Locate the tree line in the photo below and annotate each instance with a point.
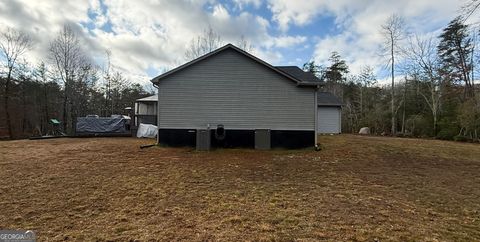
(66, 85)
(432, 90)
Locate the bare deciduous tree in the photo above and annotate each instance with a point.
(208, 41)
(107, 80)
(13, 44)
(114, 84)
(425, 67)
(118, 85)
(244, 44)
(41, 75)
(68, 59)
(365, 80)
(393, 32)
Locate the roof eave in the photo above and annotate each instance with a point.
(311, 84)
(330, 105)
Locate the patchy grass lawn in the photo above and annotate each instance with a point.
(356, 189)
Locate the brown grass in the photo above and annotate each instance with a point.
(356, 189)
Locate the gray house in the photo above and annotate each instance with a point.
(232, 98)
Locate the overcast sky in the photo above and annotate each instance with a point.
(147, 37)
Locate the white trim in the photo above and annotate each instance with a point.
(158, 114)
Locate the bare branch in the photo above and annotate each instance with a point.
(244, 44)
(13, 44)
(208, 41)
(66, 54)
(393, 31)
(468, 9)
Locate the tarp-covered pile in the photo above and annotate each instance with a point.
(116, 124)
(147, 131)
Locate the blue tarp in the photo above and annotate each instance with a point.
(101, 125)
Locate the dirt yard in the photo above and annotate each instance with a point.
(355, 189)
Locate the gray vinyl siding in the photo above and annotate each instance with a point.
(232, 89)
(329, 120)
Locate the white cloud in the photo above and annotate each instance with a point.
(36, 18)
(141, 35)
(220, 12)
(288, 41)
(298, 12)
(153, 35)
(274, 57)
(240, 4)
(359, 23)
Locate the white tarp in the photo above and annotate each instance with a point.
(364, 130)
(147, 131)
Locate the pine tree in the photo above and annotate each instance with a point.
(338, 70)
(455, 51)
(312, 67)
(336, 74)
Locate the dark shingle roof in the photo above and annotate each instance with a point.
(303, 76)
(328, 99)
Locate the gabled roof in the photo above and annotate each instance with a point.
(295, 78)
(328, 99)
(152, 98)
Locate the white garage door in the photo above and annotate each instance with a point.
(329, 120)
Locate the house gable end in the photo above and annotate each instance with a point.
(212, 54)
(231, 89)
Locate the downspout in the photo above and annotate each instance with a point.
(158, 113)
(317, 145)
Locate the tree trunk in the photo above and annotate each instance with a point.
(65, 103)
(393, 90)
(468, 92)
(361, 102)
(73, 118)
(472, 82)
(404, 104)
(45, 95)
(24, 110)
(413, 128)
(107, 96)
(111, 107)
(6, 104)
(403, 120)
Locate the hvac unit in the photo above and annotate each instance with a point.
(203, 139)
(262, 139)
